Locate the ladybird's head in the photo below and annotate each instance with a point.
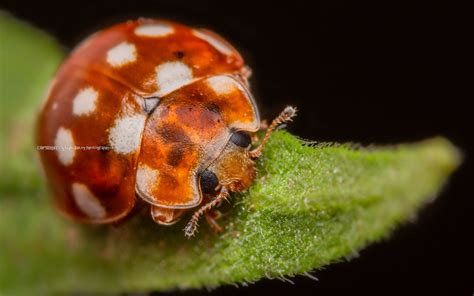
(234, 168)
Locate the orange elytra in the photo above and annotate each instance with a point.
(150, 110)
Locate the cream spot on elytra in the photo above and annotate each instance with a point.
(64, 146)
(212, 40)
(84, 102)
(172, 75)
(121, 54)
(147, 178)
(150, 104)
(87, 202)
(125, 135)
(221, 85)
(154, 30)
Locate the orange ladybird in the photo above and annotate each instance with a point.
(153, 110)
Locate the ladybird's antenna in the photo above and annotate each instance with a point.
(286, 115)
(191, 227)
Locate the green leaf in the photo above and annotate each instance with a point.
(309, 206)
(28, 59)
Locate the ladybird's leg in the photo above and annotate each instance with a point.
(286, 115)
(211, 217)
(165, 216)
(190, 228)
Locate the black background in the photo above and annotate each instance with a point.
(358, 71)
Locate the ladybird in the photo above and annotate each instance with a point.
(155, 111)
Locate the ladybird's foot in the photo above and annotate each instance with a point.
(190, 229)
(211, 218)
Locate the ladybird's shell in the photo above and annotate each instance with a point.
(142, 107)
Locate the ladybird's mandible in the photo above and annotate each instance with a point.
(150, 110)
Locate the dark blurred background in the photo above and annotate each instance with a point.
(368, 72)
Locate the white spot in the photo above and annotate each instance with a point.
(85, 101)
(64, 145)
(150, 104)
(87, 202)
(172, 75)
(146, 178)
(122, 54)
(125, 135)
(212, 40)
(221, 85)
(154, 30)
(146, 104)
(54, 106)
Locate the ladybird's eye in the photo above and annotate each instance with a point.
(241, 139)
(208, 181)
